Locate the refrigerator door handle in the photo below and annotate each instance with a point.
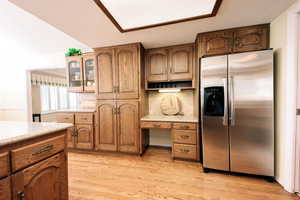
(232, 107)
(225, 117)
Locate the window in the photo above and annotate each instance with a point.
(57, 98)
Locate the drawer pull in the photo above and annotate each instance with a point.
(156, 125)
(184, 127)
(66, 118)
(185, 136)
(21, 196)
(43, 149)
(184, 150)
(84, 118)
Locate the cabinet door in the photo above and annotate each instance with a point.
(89, 66)
(84, 137)
(106, 137)
(251, 38)
(216, 43)
(105, 74)
(46, 180)
(128, 126)
(127, 72)
(5, 189)
(75, 73)
(181, 63)
(71, 137)
(157, 65)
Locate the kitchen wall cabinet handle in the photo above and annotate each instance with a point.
(43, 149)
(114, 110)
(21, 196)
(184, 127)
(185, 136)
(184, 150)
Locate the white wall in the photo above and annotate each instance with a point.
(26, 43)
(284, 39)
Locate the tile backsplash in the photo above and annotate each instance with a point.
(186, 98)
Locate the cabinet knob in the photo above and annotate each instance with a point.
(21, 196)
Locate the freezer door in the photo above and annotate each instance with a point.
(214, 112)
(251, 113)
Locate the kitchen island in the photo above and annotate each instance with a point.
(33, 161)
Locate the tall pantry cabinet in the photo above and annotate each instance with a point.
(120, 97)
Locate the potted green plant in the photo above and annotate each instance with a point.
(74, 52)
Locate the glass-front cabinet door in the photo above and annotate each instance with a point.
(75, 74)
(89, 65)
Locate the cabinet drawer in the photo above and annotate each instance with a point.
(185, 151)
(185, 126)
(65, 118)
(184, 136)
(4, 163)
(162, 125)
(5, 189)
(84, 118)
(33, 153)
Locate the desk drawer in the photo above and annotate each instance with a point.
(4, 164)
(84, 118)
(65, 118)
(185, 151)
(185, 126)
(162, 125)
(27, 155)
(184, 136)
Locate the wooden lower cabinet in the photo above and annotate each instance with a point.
(46, 180)
(70, 137)
(5, 189)
(117, 126)
(85, 137)
(128, 126)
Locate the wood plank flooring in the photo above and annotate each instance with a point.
(155, 176)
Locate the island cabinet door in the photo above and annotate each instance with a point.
(181, 63)
(128, 126)
(84, 137)
(5, 189)
(106, 137)
(127, 72)
(47, 180)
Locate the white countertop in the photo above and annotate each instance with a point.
(11, 131)
(70, 110)
(164, 118)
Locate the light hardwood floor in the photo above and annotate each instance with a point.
(155, 176)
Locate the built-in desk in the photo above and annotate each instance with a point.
(184, 132)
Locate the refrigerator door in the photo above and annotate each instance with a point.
(214, 112)
(251, 113)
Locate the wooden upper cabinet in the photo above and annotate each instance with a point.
(181, 63)
(105, 74)
(128, 126)
(106, 135)
(157, 65)
(45, 180)
(127, 72)
(237, 40)
(5, 189)
(75, 73)
(216, 43)
(251, 39)
(85, 137)
(89, 67)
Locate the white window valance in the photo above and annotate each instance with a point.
(41, 79)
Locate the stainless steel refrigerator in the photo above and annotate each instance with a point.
(237, 113)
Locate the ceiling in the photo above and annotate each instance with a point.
(84, 21)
